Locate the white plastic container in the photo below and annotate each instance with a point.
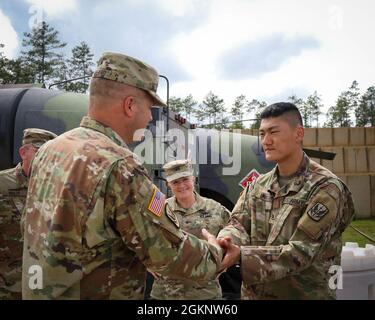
(358, 266)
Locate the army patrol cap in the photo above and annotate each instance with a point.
(128, 70)
(37, 137)
(178, 169)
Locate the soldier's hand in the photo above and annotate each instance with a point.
(232, 253)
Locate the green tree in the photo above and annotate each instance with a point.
(188, 106)
(41, 54)
(64, 75)
(200, 114)
(365, 111)
(258, 107)
(314, 103)
(238, 109)
(14, 71)
(303, 108)
(339, 115)
(5, 75)
(214, 106)
(175, 104)
(79, 66)
(21, 72)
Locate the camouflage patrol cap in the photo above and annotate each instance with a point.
(178, 169)
(130, 71)
(37, 137)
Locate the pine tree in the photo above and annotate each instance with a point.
(201, 114)
(21, 71)
(238, 110)
(188, 106)
(79, 66)
(314, 103)
(258, 107)
(215, 108)
(64, 75)
(41, 53)
(365, 112)
(303, 108)
(175, 104)
(14, 71)
(5, 75)
(339, 115)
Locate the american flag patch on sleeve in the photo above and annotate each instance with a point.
(157, 202)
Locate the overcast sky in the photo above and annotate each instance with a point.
(267, 49)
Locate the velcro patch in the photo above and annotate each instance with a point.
(157, 202)
(318, 211)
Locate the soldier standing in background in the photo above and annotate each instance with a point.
(193, 213)
(95, 221)
(287, 226)
(13, 190)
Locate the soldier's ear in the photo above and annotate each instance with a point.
(300, 132)
(22, 151)
(128, 106)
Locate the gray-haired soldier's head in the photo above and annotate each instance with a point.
(286, 110)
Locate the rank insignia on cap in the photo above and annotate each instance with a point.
(157, 202)
(318, 211)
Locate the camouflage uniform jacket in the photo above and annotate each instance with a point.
(91, 224)
(291, 236)
(13, 189)
(205, 213)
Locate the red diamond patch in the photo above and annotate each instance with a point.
(249, 178)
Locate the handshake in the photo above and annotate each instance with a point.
(232, 252)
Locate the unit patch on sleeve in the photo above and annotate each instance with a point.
(318, 211)
(157, 202)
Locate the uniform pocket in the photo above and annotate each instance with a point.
(286, 222)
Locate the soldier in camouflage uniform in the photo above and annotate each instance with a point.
(288, 224)
(94, 219)
(13, 189)
(193, 213)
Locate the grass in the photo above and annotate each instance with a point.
(367, 226)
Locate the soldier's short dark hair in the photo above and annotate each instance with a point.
(287, 109)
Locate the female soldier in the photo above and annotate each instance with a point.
(193, 213)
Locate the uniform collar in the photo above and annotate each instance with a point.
(198, 205)
(22, 179)
(90, 123)
(295, 184)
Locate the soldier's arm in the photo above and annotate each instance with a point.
(314, 230)
(225, 214)
(238, 227)
(153, 235)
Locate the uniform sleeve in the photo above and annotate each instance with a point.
(153, 235)
(319, 222)
(239, 221)
(225, 214)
